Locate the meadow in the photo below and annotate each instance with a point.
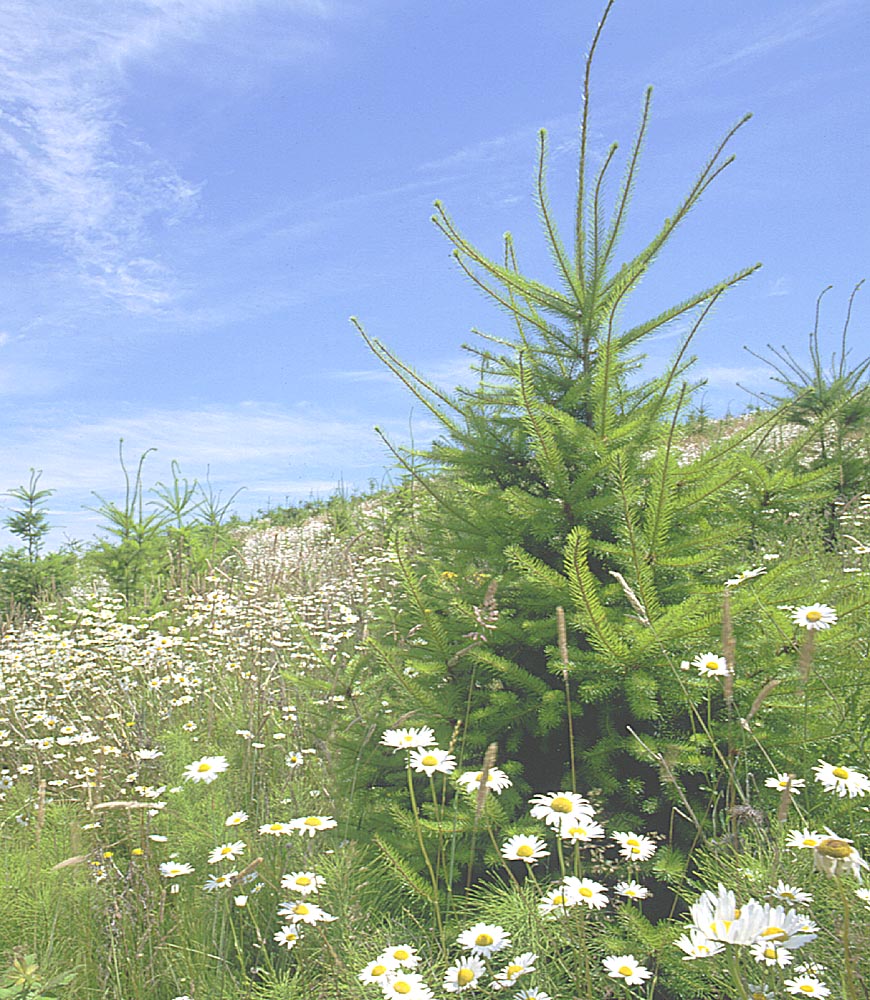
(575, 710)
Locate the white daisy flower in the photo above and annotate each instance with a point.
(771, 955)
(814, 617)
(276, 829)
(586, 891)
(632, 890)
(305, 883)
(532, 994)
(375, 971)
(304, 913)
(786, 927)
(408, 739)
(784, 780)
(312, 824)
(236, 818)
(696, 944)
(522, 965)
(226, 852)
(836, 856)
(806, 986)
(220, 881)
(428, 761)
(634, 846)
(627, 968)
(172, 869)
(464, 974)
(496, 780)
(405, 986)
(864, 896)
(288, 936)
(557, 902)
(484, 939)
(746, 574)
(842, 780)
(206, 769)
(555, 808)
(522, 848)
(804, 838)
(401, 956)
(711, 665)
(789, 893)
(580, 831)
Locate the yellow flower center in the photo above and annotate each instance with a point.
(814, 616)
(464, 977)
(203, 767)
(833, 848)
(401, 955)
(558, 900)
(774, 934)
(313, 821)
(276, 826)
(300, 909)
(483, 940)
(809, 842)
(561, 804)
(402, 987)
(770, 952)
(625, 970)
(712, 664)
(807, 987)
(586, 891)
(632, 842)
(378, 970)
(840, 772)
(514, 970)
(430, 760)
(577, 831)
(525, 851)
(303, 880)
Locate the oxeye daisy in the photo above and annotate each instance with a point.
(305, 883)
(804, 838)
(408, 739)
(584, 890)
(814, 617)
(288, 936)
(771, 955)
(220, 881)
(635, 846)
(711, 665)
(464, 974)
(236, 818)
(226, 852)
(401, 956)
(554, 808)
(789, 893)
(304, 913)
(405, 986)
(484, 939)
(276, 829)
(428, 761)
(172, 869)
(206, 769)
(580, 831)
(627, 968)
(312, 824)
(556, 902)
(632, 890)
(782, 781)
(696, 944)
(806, 986)
(375, 971)
(496, 780)
(521, 848)
(842, 780)
(836, 856)
(522, 965)
(532, 994)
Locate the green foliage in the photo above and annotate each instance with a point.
(833, 400)
(559, 480)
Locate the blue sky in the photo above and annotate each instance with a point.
(195, 195)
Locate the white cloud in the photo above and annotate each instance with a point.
(79, 182)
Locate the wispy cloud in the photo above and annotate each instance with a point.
(78, 181)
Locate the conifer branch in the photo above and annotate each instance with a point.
(558, 250)
(584, 589)
(580, 212)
